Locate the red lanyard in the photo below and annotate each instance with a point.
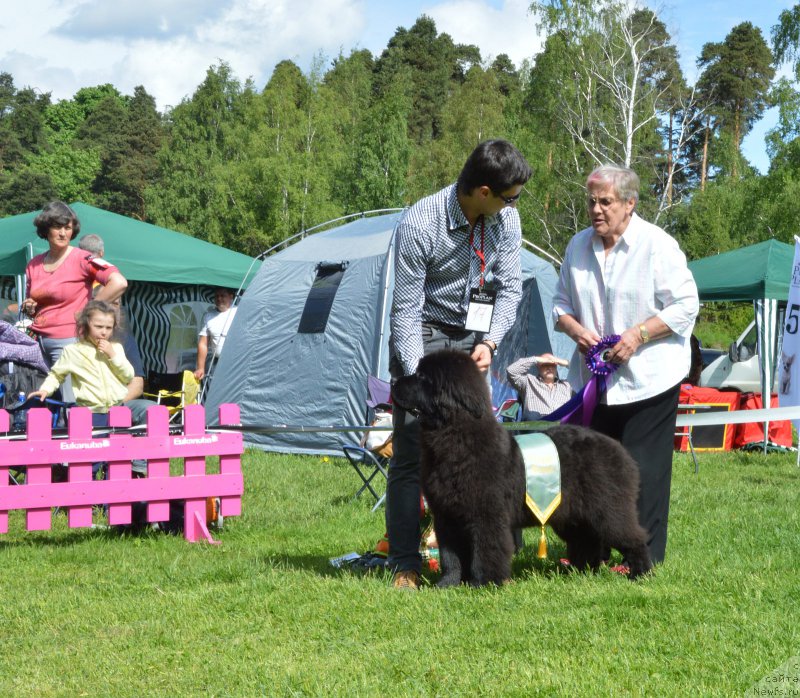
(478, 252)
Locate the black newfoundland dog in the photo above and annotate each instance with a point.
(473, 477)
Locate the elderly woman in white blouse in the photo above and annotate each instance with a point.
(624, 276)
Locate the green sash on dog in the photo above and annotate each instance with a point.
(542, 479)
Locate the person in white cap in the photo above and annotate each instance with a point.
(543, 392)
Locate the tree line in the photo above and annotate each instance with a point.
(246, 167)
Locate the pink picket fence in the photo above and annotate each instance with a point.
(38, 451)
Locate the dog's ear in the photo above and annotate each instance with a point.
(468, 403)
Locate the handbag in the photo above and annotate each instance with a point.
(379, 442)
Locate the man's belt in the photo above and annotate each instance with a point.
(452, 331)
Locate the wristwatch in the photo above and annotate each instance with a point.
(644, 334)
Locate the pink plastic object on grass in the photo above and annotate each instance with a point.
(38, 451)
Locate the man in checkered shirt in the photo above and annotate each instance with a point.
(462, 241)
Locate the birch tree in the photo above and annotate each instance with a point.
(606, 88)
(610, 103)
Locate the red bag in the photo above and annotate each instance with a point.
(780, 433)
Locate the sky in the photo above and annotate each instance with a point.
(59, 46)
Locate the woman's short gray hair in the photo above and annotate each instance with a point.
(624, 180)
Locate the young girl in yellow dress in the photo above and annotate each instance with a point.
(98, 367)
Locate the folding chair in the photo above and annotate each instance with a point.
(506, 404)
(19, 414)
(370, 458)
(368, 465)
(173, 390)
(685, 432)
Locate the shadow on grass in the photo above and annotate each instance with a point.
(527, 564)
(524, 564)
(343, 499)
(365, 497)
(54, 539)
(58, 537)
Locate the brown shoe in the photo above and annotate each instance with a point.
(408, 580)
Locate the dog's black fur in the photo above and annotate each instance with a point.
(473, 477)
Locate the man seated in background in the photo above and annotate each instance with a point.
(94, 244)
(543, 393)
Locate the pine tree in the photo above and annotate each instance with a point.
(736, 78)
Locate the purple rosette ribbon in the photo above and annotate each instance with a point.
(596, 356)
(580, 408)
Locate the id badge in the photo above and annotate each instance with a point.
(480, 310)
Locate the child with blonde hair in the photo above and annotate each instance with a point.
(99, 369)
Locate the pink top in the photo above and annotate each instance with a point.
(62, 293)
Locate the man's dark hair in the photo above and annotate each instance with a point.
(496, 164)
(54, 214)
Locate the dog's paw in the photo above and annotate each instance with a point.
(495, 583)
(448, 581)
(635, 574)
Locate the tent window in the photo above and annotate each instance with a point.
(184, 322)
(320, 298)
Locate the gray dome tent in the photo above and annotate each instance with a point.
(314, 324)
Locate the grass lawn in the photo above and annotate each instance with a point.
(95, 613)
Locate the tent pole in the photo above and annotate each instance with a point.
(766, 318)
(383, 342)
(20, 286)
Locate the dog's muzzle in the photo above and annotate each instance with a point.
(414, 411)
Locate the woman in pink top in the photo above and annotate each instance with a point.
(59, 283)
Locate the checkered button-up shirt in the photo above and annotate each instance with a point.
(435, 268)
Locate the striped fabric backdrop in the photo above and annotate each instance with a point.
(144, 304)
(8, 289)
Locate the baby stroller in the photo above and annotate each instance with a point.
(22, 370)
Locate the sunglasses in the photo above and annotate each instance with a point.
(508, 200)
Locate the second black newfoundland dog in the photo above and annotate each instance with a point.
(473, 477)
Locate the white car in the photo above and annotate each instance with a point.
(739, 368)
